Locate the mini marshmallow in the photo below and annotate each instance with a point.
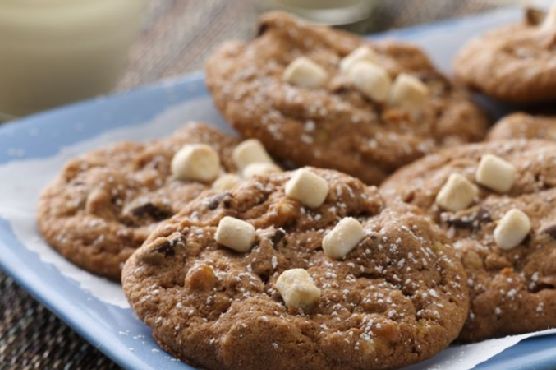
(339, 241)
(198, 162)
(297, 288)
(408, 91)
(457, 193)
(235, 234)
(371, 80)
(512, 229)
(361, 54)
(226, 182)
(303, 72)
(495, 173)
(256, 169)
(250, 151)
(307, 187)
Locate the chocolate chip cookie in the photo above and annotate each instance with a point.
(298, 270)
(514, 63)
(524, 126)
(326, 98)
(497, 203)
(105, 203)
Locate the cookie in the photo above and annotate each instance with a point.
(514, 63)
(254, 278)
(322, 97)
(524, 126)
(496, 201)
(105, 203)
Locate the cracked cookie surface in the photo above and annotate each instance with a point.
(105, 203)
(335, 125)
(512, 290)
(397, 297)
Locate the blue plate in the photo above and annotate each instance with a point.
(113, 328)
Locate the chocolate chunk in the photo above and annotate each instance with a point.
(278, 236)
(550, 230)
(533, 16)
(470, 221)
(152, 211)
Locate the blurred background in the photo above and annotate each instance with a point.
(54, 52)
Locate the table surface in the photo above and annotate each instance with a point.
(177, 37)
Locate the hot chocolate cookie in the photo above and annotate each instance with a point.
(497, 203)
(105, 203)
(514, 63)
(524, 126)
(298, 270)
(322, 97)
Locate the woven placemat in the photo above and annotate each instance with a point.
(176, 39)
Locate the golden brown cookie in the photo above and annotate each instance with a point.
(514, 63)
(105, 203)
(345, 283)
(322, 97)
(497, 203)
(524, 126)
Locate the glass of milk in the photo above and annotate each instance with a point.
(58, 51)
(330, 12)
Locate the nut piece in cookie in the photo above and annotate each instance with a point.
(307, 187)
(297, 288)
(506, 236)
(457, 193)
(513, 63)
(495, 173)
(397, 297)
(235, 234)
(197, 162)
(512, 229)
(343, 238)
(321, 97)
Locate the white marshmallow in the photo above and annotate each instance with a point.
(303, 72)
(307, 187)
(361, 54)
(457, 193)
(371, 80)
(408, 92)
(512, 229)
(235, 234)
(198, 162)
(250, 151)
(297, 288)
(226, 182)
(495, 173)
(339, 241)
(256, 169)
